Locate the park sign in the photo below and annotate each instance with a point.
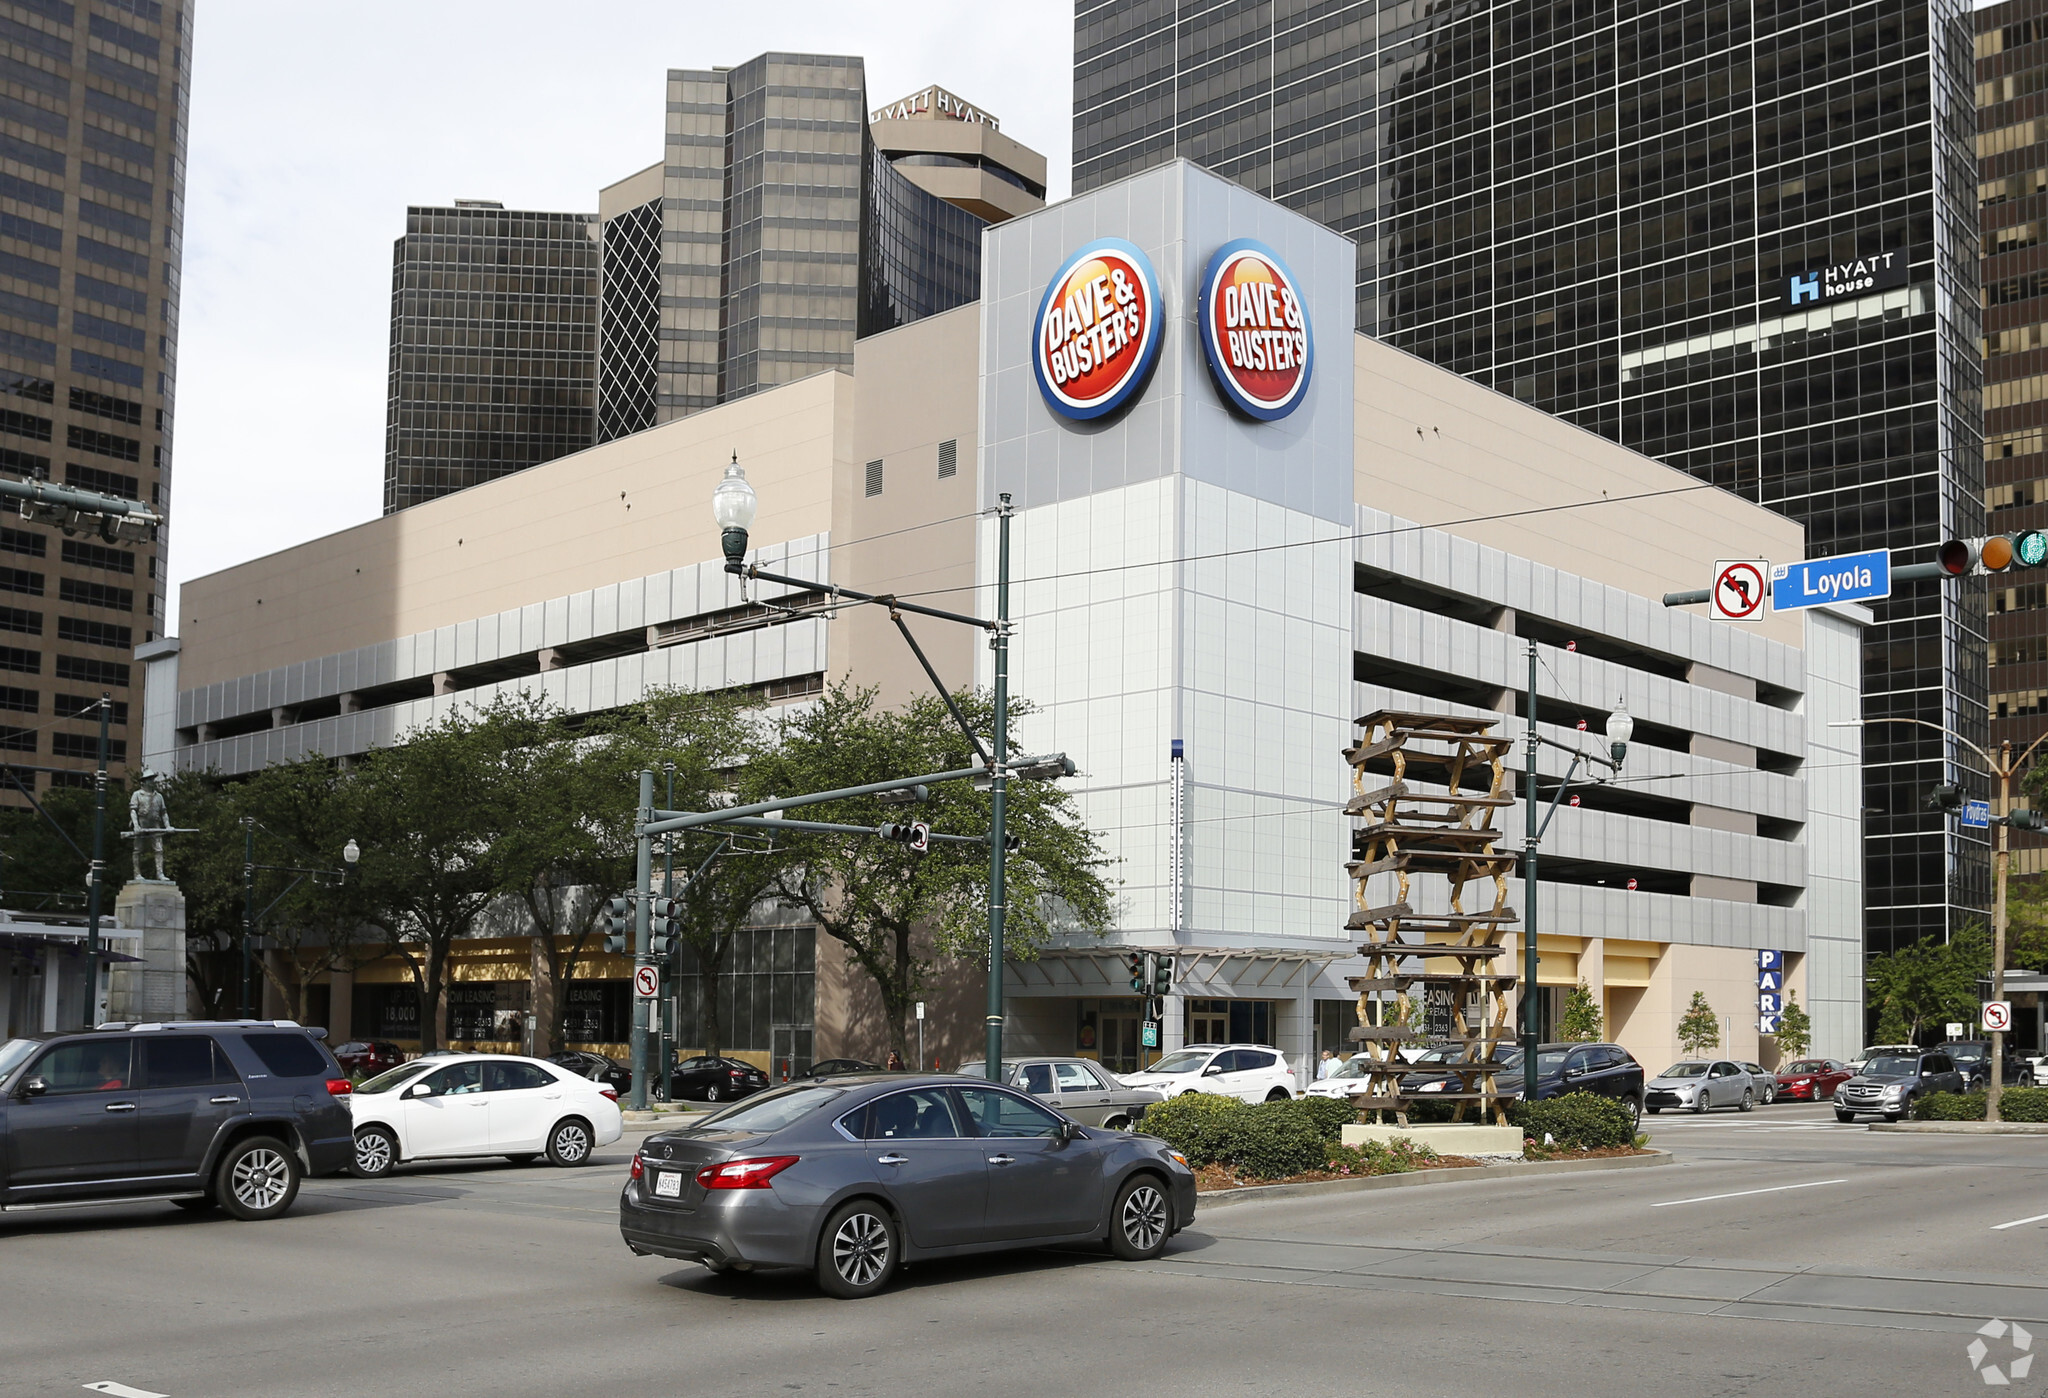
(1820, 582)
(1770, 990)
(1098, 330)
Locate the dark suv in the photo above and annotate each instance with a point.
(201, 1115)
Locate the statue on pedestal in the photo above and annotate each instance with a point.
(149, 820)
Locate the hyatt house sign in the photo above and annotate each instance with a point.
(1878, 272)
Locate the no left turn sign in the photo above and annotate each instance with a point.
(646, 981)
(1997, 1016)
(1739, 590)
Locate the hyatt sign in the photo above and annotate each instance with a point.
(1878, 272)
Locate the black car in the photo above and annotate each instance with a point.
(836, 1067)
(1606, 1069)
(202, 1115)
(595, 1066)
(714, 1080)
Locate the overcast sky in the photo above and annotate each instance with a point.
(313, 127)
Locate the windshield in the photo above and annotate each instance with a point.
(13, 1054)
(771, 1111)
(1966, 1053)
(1891, 1067)
(391, 1077)
(1808, 1065)
(1550, 1060)
(1356, 1068)
(1186, 1061)
(1684, 1070)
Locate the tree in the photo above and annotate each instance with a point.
(1927, 983)
(1795, 1028)
(1581, 1022)
(893, 910)
(1700, 1029)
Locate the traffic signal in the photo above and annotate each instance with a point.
(1993, 553)
(915, 833)
(1945, 798)
(618, 926)
(1135, 963)
(2023, 818)
(1162, 976)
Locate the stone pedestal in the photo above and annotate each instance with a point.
(154, 988)
(1451, 1138)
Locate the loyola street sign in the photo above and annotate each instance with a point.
(1855, 577)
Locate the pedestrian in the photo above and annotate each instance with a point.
(895, 1063)
(1328, 1065)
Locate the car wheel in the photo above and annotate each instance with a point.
(1141, 1220)
(376, 1153)
(711, 1093)
(1635, 1113)
(257, 1178)
(1278, 1094)
(1748, 1100)
(1699, 1103)
(857, 1252)
(570, 1142)
(1117, 1123)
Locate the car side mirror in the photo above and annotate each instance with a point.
(419, 1089)
(34, 1087)
(1212, 1070)
(1068, 1131)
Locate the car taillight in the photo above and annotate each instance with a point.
(611, 1094)
(737, 1076)
(636, 1165)
(745, 1174)
(339, 1087)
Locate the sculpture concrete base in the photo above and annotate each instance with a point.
(154, 988)
(1444, 1140)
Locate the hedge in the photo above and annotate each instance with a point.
(1270, 1140)
(1576, 1121)
(2015, 1104)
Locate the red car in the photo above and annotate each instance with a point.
(1811, 1079)
(368, 1056)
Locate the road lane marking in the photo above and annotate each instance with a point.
(1744, 1193)
(2001, 1227)
(121, 1390)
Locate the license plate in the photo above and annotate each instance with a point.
(668, 1184)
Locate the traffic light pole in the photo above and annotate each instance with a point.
(643, 888)
(998, 845)
(99, 874)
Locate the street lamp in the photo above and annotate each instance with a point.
(2002, 767)
(733, 504)
(1620, 728)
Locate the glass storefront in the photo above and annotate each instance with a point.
(1230, 1022)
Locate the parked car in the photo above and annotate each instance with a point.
(852, 1177)
(1696, 1084)
(1973, 1060)
(1608, 1070)
(199, 1114)
(1431, 1075)
(596, 1067)
(1812, 1079)
(480, 1104)
(1078, 1087)
(1766, 1082)
(1248, 1072)
(837, 1067)
(368, 1056)
(1856, 1063)
(714, 1080)
(1349, 1079)
(1890, 1082)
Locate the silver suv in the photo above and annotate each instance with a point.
(1889, 1082)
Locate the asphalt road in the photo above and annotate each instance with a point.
(1781, 1254)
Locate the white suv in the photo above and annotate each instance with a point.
(1248, 1072)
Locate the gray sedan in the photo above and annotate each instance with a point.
(1699, 1083)
(854, 1177)
(1080, 1087)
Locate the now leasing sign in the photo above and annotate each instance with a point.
(1855, 577)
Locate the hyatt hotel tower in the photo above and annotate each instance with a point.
(1602, 211)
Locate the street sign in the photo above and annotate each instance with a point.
(1976, 815)
(1770, 960)
(1770, 1004)
(1955, 1031)
(920, 836)
(1738, 590)
(646, 982)
(1148, 1037)
(1854, 577)
(920, 1009)
(1767, 1024)
(1997, 1016)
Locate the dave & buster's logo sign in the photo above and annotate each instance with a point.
(1255, 330)
(1098, 329)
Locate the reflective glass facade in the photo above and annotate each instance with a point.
(92, 209)
(1597, 209)
(629, 321)
(2012, 197)
(493, 347)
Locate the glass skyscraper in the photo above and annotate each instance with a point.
(92, 194)
(772, 235)
(1601, 210)
(493, 346)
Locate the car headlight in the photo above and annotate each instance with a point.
(1437, 1086)
(1181, 1158)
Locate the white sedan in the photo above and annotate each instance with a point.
(480, 1104)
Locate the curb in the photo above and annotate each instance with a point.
(1509, 1170)
(1966, 1128)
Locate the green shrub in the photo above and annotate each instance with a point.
(1330, 1114)
(1576, 1121)
(1276, 1139)
(1264, 1140)
(1394, 1157)
(2015, 1104)
(1200, 1125)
